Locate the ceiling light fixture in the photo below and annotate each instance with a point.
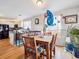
(39, 2)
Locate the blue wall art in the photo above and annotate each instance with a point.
(50, 18)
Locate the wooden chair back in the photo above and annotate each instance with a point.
(52, 40)
(29, 42)
(52, 45)
(54, 37)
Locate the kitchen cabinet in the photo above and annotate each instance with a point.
(4, 31)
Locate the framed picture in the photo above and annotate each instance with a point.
(70, 19)
(36, 20)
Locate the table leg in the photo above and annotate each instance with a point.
(48, 50)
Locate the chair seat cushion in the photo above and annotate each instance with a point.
(40, 49)
(30, 50)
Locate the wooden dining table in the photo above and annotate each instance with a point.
(44, 40)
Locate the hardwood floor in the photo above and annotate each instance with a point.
(10, 52)
(61, 53)
(7, 51)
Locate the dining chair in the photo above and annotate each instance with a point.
(30, 48)
(52, 45)
(43, 48)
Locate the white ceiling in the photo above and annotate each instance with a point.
(28, 8)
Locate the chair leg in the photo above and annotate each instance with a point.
(54, 51)
(50, 53)
(26, 55)
(42, 57)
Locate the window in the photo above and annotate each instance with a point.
(26, 24)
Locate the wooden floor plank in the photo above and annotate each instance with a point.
(8, 51)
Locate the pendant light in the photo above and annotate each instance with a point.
(39, 2)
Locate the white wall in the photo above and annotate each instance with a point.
(10, 22)
(62, 34)
(39, 26)
(66, 12)
(34, 26)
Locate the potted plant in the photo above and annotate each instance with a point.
(74, 33)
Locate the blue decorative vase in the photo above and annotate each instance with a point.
(50, 18)
(76, 53)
